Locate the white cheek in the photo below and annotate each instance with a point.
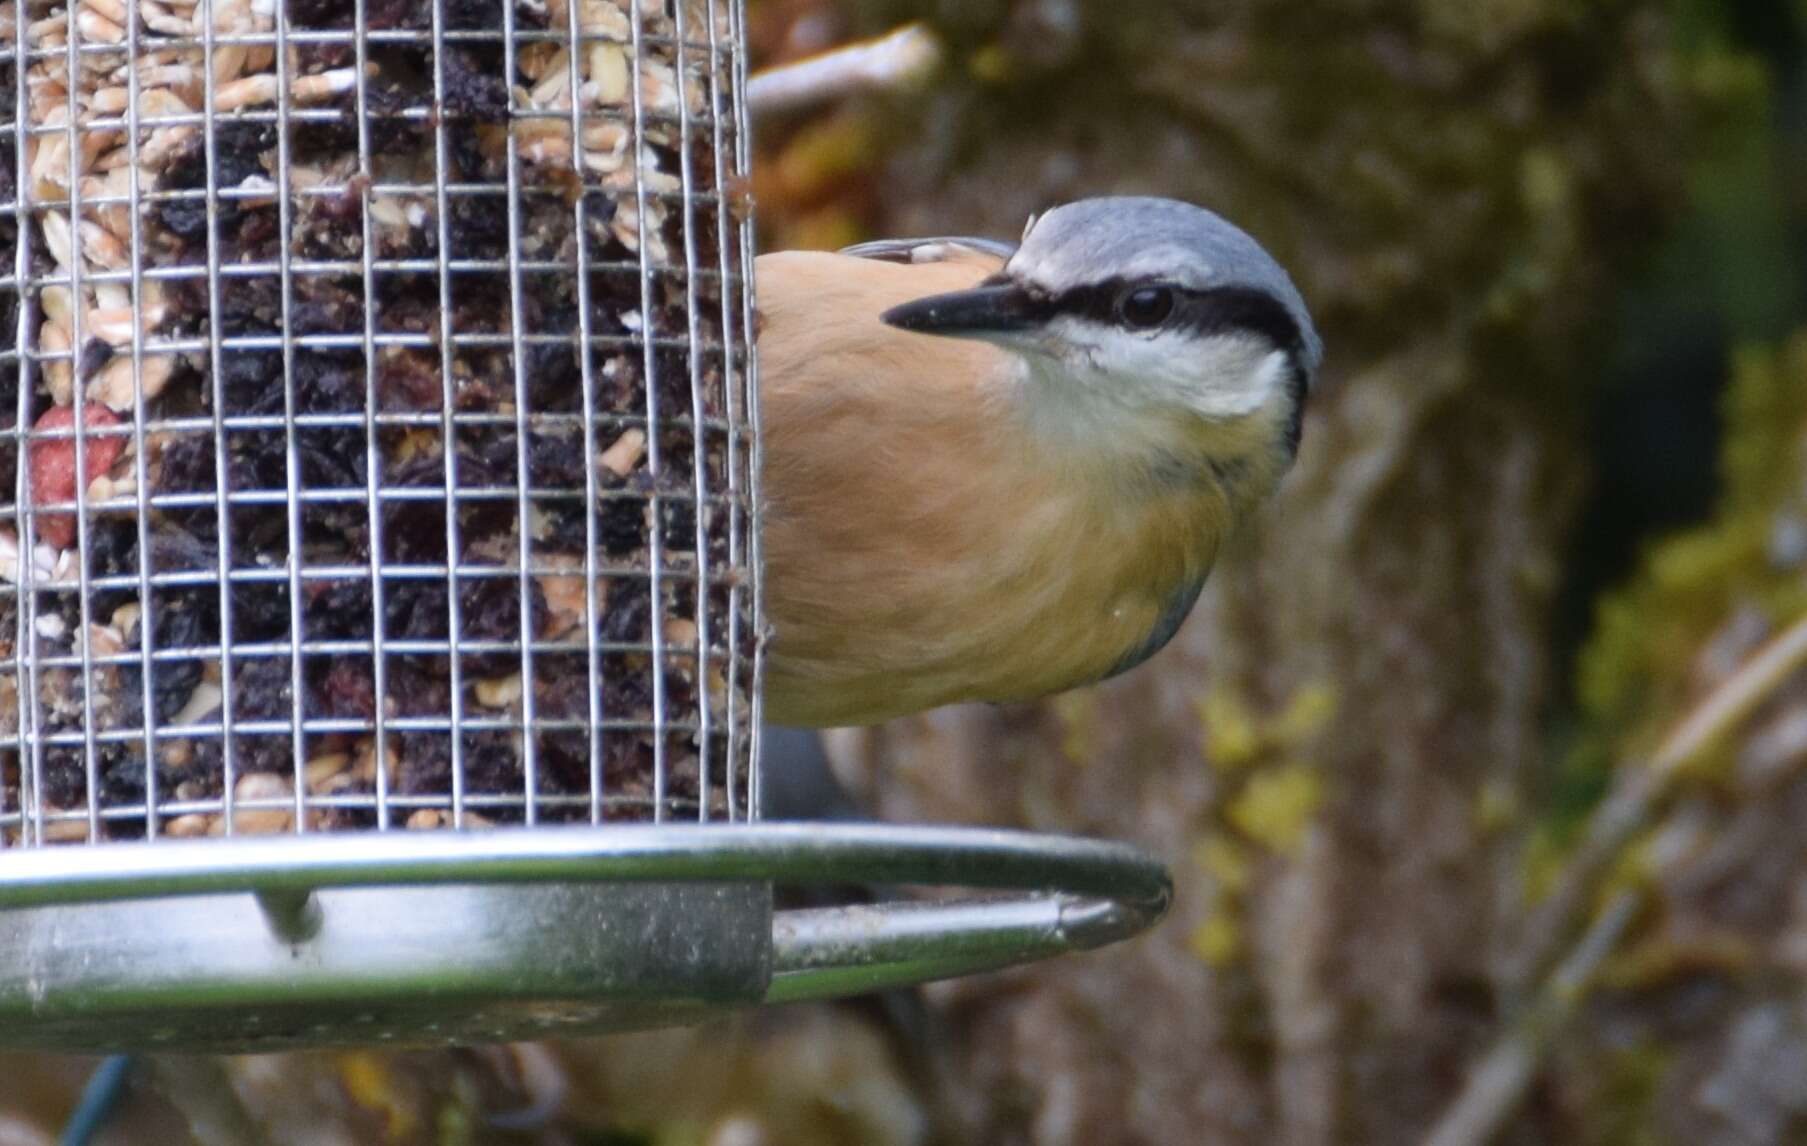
(1225, 377)
(1271, 374)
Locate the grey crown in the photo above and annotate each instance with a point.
(1131, 237)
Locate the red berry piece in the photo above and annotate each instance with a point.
(53, 465)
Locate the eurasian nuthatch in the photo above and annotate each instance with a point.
(996, 472)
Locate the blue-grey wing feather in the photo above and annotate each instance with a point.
(1178, 607)
(929, 250)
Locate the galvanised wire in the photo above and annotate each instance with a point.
(721, 707)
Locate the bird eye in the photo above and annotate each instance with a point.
(1146, 306)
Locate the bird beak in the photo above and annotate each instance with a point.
(972, 313)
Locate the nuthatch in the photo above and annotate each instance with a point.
(994, 473)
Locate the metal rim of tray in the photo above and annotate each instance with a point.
(1065, 894)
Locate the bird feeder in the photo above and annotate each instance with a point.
(379, 573)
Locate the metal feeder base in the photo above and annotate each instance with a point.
(416, 939)
(459, 964)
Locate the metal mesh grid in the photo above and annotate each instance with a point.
(311, 265)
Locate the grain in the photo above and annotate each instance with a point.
(141, 346)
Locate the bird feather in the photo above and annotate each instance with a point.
(991, 252)
(922, 546)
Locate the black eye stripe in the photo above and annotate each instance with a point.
(1234, 308)
(1218, 310)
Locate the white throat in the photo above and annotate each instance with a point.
(1085, 386)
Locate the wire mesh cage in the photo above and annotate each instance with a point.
(378, 393)
(395, 347)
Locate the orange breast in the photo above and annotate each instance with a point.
(921, 547)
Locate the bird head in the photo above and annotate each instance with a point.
(1140, 314)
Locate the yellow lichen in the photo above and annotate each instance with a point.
(1230, 869)
(1224, 860)
(1276, 806)
(1232, 736)
(1636, 862)
(1545, 185)
(991, 64)
(1077, 713)
(1545, 858)
(1236, 736)
(1496, 806)
(369, 1083)
(1307, 715)
(1275, 791)
(1217, 941)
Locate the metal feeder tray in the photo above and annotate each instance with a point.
(334, 935)
(422, 939)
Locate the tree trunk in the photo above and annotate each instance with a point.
(1343, 754)
(1335, 753)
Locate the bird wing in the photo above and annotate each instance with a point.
(993, 253)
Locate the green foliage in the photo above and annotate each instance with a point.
(1275, 790)
(1649, 633)
(1731, 259)
(1739, 230)
(1631, 1083)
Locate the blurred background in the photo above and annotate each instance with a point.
(1481, 766)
